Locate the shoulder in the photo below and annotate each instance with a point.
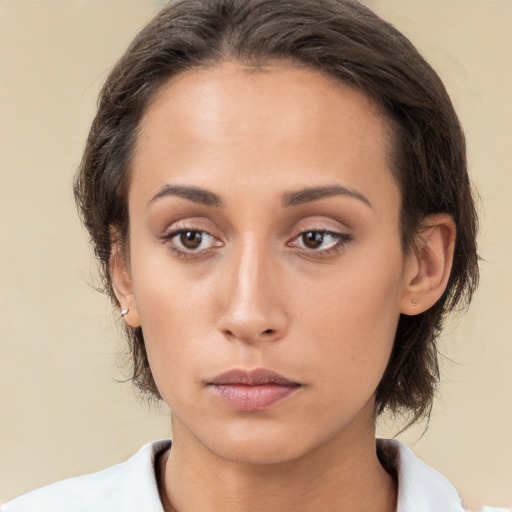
(129, 486)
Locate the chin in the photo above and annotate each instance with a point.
(258, 453)
(258, 445)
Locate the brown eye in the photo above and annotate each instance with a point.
(321, 242)
(191, 242)
(313, 239)
(191, 239)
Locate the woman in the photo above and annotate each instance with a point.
(278, 195)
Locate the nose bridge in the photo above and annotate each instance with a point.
(252, 308)
(250, 269)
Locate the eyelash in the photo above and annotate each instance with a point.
(342, 240)
(337, 248)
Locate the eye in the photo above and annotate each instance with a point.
(321, 241)
(188, 241)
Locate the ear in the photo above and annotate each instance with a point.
(121, 281)
(429, 264)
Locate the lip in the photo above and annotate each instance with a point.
(252, 390)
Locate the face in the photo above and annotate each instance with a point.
(265, 264)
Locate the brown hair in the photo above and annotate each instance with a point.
(344, 40)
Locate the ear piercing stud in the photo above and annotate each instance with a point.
(124, 311)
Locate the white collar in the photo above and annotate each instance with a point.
(420, 488)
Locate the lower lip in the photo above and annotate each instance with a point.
(252, 398)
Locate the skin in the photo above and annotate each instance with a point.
(254, 295)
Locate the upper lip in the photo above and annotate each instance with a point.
(256, 377)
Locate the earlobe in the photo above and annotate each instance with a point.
(122, 283)
(429, 265)
(128, 309)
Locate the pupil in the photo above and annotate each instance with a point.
(313, 239)
(191, 239)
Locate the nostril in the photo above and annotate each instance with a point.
(231, 334)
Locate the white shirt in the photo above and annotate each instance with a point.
(131, 486)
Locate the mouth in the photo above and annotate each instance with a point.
(252, 390)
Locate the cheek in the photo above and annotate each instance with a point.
(362, 293)
(173, 313)
(353, 316)
(166, 290)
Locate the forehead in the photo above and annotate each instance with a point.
(262, 123)
(235, 95)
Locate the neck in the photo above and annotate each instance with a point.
(344, 472)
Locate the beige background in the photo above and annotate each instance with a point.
(61, 410)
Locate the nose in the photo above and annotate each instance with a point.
(253, 299)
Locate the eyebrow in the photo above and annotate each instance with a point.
(308, 195)
(194, 194)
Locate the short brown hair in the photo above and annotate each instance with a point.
(340, 38)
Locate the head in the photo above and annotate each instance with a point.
(344, 44)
